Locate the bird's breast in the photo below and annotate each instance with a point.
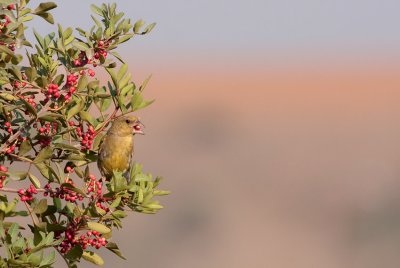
(115, 153)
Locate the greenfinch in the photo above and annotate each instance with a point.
(116, 149)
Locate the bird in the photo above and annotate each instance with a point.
(116, 149)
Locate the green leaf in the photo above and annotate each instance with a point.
(82, 83)
(16, 73)
(145, 82)
(21, 175)
(118, 182)
(75, 253)
(29, 107)
(30, 73)
(137, 26)
(116, 202)
(96, 10)
(47, 17)
(154, 205)
(24, 148)
(95, 226)
(122, 71)
(7, 51)
(11, 206)
(57, 203)
(92, 257)
(123, 39)
(51, 117)
(98, 23)
(136, 101)
(97, 141)
(7, 96)
(67, 33)
(34, 180)
(41, 207)
(75, 109)
(86, 116)
(114, 248)
(39, 38)
(58, 79)
(113, 76)
(142, 177)
(161, 192)
(66, 147)
(116, 55)
(13, 231)
(47, 171)
(49, 259)
(45, 154)
(80, 45)
(119, 214)
(149, 28)
(105, 104)
(43, 7)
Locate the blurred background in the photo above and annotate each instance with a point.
(276, 126)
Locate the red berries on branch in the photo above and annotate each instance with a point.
(27, 195)
(72, 238)
(52, 91)
(86, 137)
(63, 193)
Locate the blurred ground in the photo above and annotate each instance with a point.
(280, 167)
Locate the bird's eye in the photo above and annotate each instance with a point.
(127, 121)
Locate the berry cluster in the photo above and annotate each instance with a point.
(92, 238)
(72, 238)
(63, 193)
(100, 203)
(95, 188)
(10, 149)
(8, 127)
(82, 60)
(18, 84)
(100, 50)
(91, 72)
(4, 21)
(72, 81)
(86, 137)
(69, 169)
(3, 177)
(48, 128)
(27, 195)
(47, 131)
(52, 91)
(30, 99)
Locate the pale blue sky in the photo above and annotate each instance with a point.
(222, 27)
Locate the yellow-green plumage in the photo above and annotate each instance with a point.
(117, 147)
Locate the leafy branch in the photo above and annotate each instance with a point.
(53, 116)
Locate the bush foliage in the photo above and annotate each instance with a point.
(53, 116)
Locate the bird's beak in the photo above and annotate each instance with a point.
(138, 128)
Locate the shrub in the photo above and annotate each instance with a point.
(53, 116)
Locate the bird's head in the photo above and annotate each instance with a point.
(127, 125)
